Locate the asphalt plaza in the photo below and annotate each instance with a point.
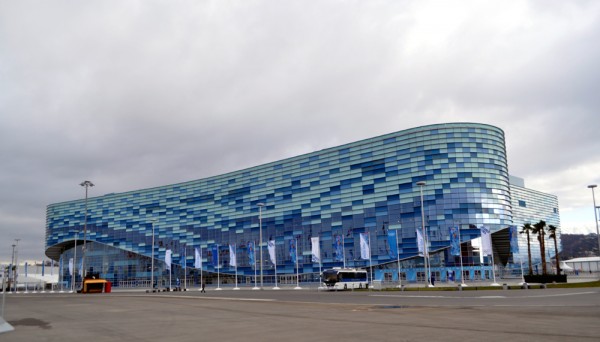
(308, 314)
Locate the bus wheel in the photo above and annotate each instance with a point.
(345, 286)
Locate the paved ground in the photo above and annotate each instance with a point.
(302, 315)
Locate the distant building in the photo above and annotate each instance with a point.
(587, 264)
(336, 194)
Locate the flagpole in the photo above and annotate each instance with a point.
(60, 273)
(236, 277)
(201, 278)
(185, 269)
(51, 275)
(218, 271)
(462, 277)
(275, 253)
(74, 275)
(426, 240)
(489, 236)
(370, 260)
(398, 251)
(522, 275)
(493, 264)
(297, 269)
(255, 275)
(36, 272)
(320, 266)
(343, 249)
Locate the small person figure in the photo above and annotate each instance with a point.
(203, 285)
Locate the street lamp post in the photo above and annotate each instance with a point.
(12, 268)
(595, 215)
(87, 184)
(260, 205)
(425, 249)
(16, 264)
(152, 258)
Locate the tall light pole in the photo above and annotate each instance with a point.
(260, 205)
(12, 268)
(595, 215)
(87, 184)
(16, 265)
(425, 249)
(152, 258)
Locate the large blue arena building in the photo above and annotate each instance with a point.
(335, 194)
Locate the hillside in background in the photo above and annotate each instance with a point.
(578, 245)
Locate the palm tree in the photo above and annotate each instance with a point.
(527, 229)
(552, 234)
(538, 229)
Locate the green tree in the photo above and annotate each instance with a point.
(552, 234)
(527, 229)
(539, 230)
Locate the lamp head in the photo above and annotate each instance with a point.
(87, 183)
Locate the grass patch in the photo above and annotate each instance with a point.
(486, 288)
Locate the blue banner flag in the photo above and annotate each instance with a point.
(43, 264)
(215, 255)
(168, 260)
(293, 250)
(182, 257)
(486, 241)
(339, 248)
(514, 239)
(251, 253)
(316, 249)
(197, 258)
(454, 241)
(232, 256)
(365, 248)
(392, 241)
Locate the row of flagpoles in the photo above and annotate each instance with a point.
(365, 253)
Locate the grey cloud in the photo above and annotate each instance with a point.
(143, 94)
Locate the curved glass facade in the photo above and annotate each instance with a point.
(337, 193)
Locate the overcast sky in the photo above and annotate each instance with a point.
(136, 94)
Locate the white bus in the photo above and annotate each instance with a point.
(345, 278)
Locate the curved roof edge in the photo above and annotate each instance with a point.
(404, 131)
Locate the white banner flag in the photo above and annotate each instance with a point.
(420, 242)
(168, 259)
(365, 250)
(71, 266)
(197, 258)
(271, 248)
(486, 241)
(232, 256)
(316, 250)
